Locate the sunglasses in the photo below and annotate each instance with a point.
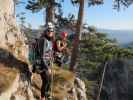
(49, 30)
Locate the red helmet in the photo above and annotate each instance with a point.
(64, 34)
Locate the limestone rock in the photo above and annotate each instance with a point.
(15, 78)
(65, 86)
(80, 89)
(11, 37)
(18, 85)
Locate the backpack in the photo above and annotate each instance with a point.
(43, 47)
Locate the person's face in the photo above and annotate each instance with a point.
(64, 38)
(50, 34)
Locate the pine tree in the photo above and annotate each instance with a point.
(125, 3)
(49, 5)
(117, 5)
(95, 50)
(79, 28)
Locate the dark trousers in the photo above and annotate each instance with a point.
(46, 82)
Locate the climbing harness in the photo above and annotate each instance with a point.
(59, 57)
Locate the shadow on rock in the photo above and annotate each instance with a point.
(9, 60)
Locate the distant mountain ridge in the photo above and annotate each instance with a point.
(128, 45)
(122, 36)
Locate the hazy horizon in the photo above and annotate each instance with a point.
(117, 24)
(122, 36)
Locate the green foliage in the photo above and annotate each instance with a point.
(92, 29)
(26, 28)
(97, 49)
(90, 2)
(90, 87)
(36, 5)
(116, 3)
(22, 19)
(119, 3)
(94, 52)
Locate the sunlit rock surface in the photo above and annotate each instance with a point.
(10, 36)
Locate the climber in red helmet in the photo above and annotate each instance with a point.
(60, 46)
(64, 36)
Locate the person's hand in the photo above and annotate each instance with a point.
(49, 71)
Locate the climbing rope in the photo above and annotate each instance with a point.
(102, 80)
(52, 77)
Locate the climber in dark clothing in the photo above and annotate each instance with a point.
(47, 57)
(43, 62)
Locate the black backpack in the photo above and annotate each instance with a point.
(39, 65)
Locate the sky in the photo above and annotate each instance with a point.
(102, 16)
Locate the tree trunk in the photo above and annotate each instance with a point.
(50, 11)
(75, 49)
(11, 37)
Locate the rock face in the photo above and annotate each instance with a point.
(116, 81)
(64, 87)
(80, 89)
(16, 82)
(130, 79)
(14, 78)
(11, 37)
(13, 51)
(18, 91)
